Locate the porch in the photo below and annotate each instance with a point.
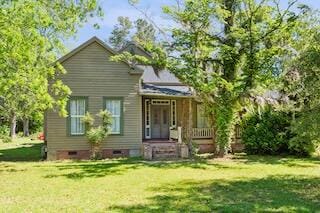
(166, 121)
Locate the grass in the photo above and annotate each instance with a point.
(21, 149)
(245, 184)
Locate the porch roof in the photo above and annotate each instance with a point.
(165, 90)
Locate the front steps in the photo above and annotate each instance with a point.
(163, 150)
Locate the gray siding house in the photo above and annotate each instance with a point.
(148, 110)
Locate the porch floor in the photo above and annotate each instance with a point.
(159, 141)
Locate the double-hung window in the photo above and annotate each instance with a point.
(115, 107)
(77, 110)
(202, 119)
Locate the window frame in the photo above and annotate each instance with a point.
(115, 98)
(198, 116)
(85, 98)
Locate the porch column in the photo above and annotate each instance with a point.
(189, 124)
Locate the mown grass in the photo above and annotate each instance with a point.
(245, 184)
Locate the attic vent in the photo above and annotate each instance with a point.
(72, 153)
(117, 152)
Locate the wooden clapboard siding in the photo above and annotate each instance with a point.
(90, 73)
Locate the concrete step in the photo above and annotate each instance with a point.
(163, 151)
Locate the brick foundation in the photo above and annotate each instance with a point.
(115, 153)
(237, 147)
(85, 154)
(73, 154)
(206, 148)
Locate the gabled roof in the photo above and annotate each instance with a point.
(104, 45)
(164, 77)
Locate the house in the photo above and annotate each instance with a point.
(148, 110)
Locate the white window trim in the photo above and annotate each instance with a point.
(173, 113)
(147, 114)
(76, 116)
(198, 116)
(115, 116)
(160, 102)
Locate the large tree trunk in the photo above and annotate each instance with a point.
(26, 127)
(13, 125)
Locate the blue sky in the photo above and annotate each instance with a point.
(115, 8)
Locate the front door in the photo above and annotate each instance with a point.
(160, 121)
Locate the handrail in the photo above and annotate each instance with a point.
(198, 133)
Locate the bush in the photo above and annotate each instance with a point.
(95, 135)
(4, 130)
(5, 138)
(306, 129)
(268, 133)
(302, 146)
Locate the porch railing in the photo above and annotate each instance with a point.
(201, 133)
(176, 134)
(197, 133)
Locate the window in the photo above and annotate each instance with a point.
(202, 120)
(77, 110)
(173, 113)
(147, 116)
(114, 106)
(160, 102)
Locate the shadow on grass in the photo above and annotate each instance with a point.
(270, 194)
(290, 161)
(87, 169)
(25, 152)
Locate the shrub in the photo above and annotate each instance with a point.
(4, 134)
(268, 133)
(306, 129)
(95, 135)
(4, 130)
(302, 146)
(5, 138)
(20, 134)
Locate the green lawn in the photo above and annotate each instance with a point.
(245, 184)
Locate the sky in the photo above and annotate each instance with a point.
(115, 8)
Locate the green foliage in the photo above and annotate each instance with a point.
(4, 130)
(119, 35)
(4, 134)
(302, 84)
(5, 138)
(31, 39)
(145, 32)
(228, 51)
(20, 134)
(268, 133)
(125, 31)
(306, 128)
(96, 135)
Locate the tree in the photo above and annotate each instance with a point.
(32, 35)
(145, 32)
(228, 51)
(119, 35)
(126, 31)
(302, 84)
(96, 135)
